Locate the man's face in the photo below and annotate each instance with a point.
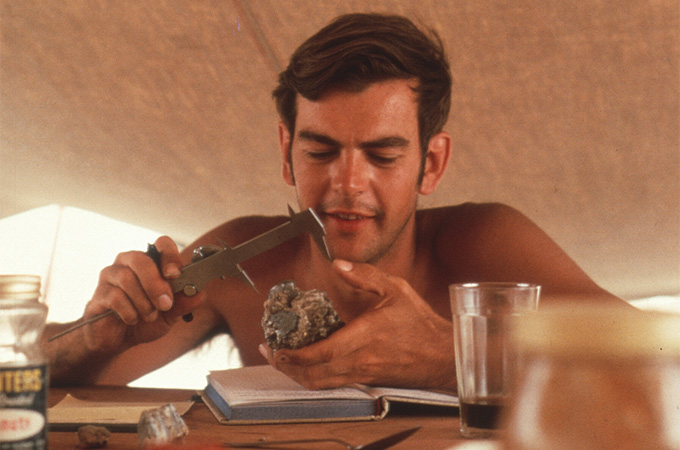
(355, 161)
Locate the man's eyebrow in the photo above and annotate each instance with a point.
(384, 142)
(307, 135)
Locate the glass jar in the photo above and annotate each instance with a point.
(593, 378)
(23, 367)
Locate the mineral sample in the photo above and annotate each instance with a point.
(91, 436)
(294, 318)
(160, 426)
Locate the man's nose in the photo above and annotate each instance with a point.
(351, 173)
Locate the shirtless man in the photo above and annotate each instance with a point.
(362, 106)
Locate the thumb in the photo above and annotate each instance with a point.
(364, 277)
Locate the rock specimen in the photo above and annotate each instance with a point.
(160, 426)
(294, 318)
(91, 436)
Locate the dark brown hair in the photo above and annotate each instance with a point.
(355, 50)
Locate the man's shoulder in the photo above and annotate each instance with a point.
(466, 215)
(469, 227)
(474, 239)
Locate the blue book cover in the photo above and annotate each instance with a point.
(261, 394)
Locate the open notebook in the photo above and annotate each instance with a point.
(261, 394)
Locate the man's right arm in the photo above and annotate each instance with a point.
(144, 310)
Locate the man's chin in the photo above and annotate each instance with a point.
(362, 254)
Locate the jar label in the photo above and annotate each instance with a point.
(23, 403)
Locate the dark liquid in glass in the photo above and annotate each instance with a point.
(481, 415)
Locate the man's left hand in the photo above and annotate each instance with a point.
(398, 342)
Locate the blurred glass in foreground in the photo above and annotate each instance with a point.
(593, 378)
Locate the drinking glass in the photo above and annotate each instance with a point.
(484, 363)
(592, 377)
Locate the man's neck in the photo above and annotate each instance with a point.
(399, 259)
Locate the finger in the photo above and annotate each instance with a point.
(307, 356)
(366, 277)
(313, 376)
(295, 362)
(135, 275)
(318, 377)
(171, 262)
(156, 288)
(342, 342)
(318, 366)
(266, 353)
(126, 311)
(121, 290)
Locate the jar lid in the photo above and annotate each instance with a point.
(19, 287)
(580, 330)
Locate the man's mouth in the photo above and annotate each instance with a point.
(348, 221)
(349, 216)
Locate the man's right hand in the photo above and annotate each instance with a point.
(140, 296)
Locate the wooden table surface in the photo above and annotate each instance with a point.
(439, 425)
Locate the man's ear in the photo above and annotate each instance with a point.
(286, 158)
(436, 161)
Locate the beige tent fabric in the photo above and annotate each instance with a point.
(158, 112)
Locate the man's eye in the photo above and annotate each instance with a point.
(384, 159)
(321, 155)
